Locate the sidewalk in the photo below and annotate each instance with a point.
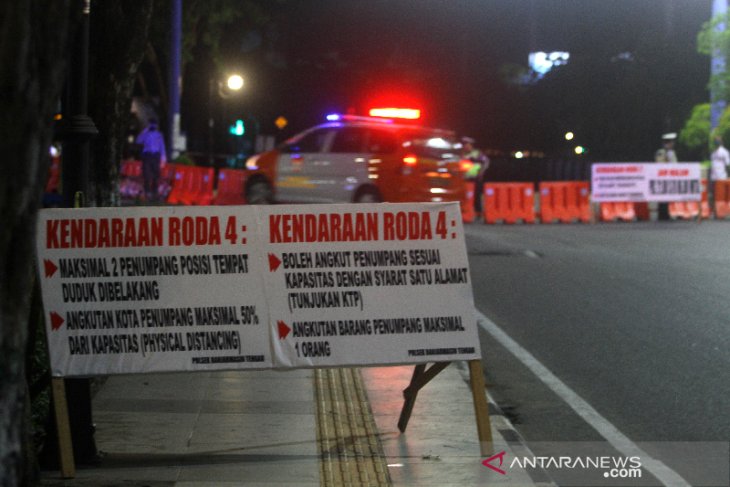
(294, 428)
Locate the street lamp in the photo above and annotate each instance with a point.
(234, 82)
(233, 85)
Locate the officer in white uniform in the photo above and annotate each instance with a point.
(666, 153)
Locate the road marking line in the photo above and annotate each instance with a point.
(604, 427)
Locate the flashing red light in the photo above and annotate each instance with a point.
(410, 160)
(406, 113)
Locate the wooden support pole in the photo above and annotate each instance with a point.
(420, 378)
(481, 407)
(410, 394)
(63, 428)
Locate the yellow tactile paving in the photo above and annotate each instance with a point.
(350, 450)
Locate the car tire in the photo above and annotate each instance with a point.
(368, 195)
(259, 192)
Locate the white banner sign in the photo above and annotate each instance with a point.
(151, 289)
(350, 286)
(135, 290)
(637, 182)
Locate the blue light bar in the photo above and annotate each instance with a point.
(334, 117)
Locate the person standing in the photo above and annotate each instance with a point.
(720, 160)
(153, 155)
(477, 171)
(665, 154)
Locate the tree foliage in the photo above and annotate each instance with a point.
(113, 68)
(714, 40)
(695, 135)
(204, 27)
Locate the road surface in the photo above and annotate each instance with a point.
(633, 318)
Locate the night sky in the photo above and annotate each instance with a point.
(634, 71)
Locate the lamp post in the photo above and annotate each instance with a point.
(233, 85)
(77, 131)
(175, 81)
(717, 67)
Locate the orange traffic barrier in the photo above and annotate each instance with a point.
(565, 201)
(509, 202)
(467, 206)
(722, 198)
(231, 183)
(705, 203)
(684, 210)
(618, 211)
(689, 210)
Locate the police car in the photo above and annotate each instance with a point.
(360, 159)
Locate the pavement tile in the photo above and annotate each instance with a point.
(259, 428)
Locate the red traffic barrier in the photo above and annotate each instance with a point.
(642, 211)
(467, 206)
(509, 202)
(130, 181)
(231, 185)
(565, 201)
(168, 171)
(131, 169)
(181, 180)
(192, 185)
(200, 191)
(722, 198)
(54, 175)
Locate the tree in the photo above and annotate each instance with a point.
(34, 37)
(119, 33)
(712, 40)
(207, 26)
(695, 135)
(33, 52)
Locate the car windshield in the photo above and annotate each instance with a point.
(433, 146)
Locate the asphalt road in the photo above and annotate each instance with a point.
(633, 317)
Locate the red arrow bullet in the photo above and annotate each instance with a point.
(283, 329)
(50, 267)
(56, 321)
(274, 262)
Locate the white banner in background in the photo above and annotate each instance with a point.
(637, 182)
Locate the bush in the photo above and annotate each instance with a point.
(184, 160)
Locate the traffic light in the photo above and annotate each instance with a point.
(237, 129)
